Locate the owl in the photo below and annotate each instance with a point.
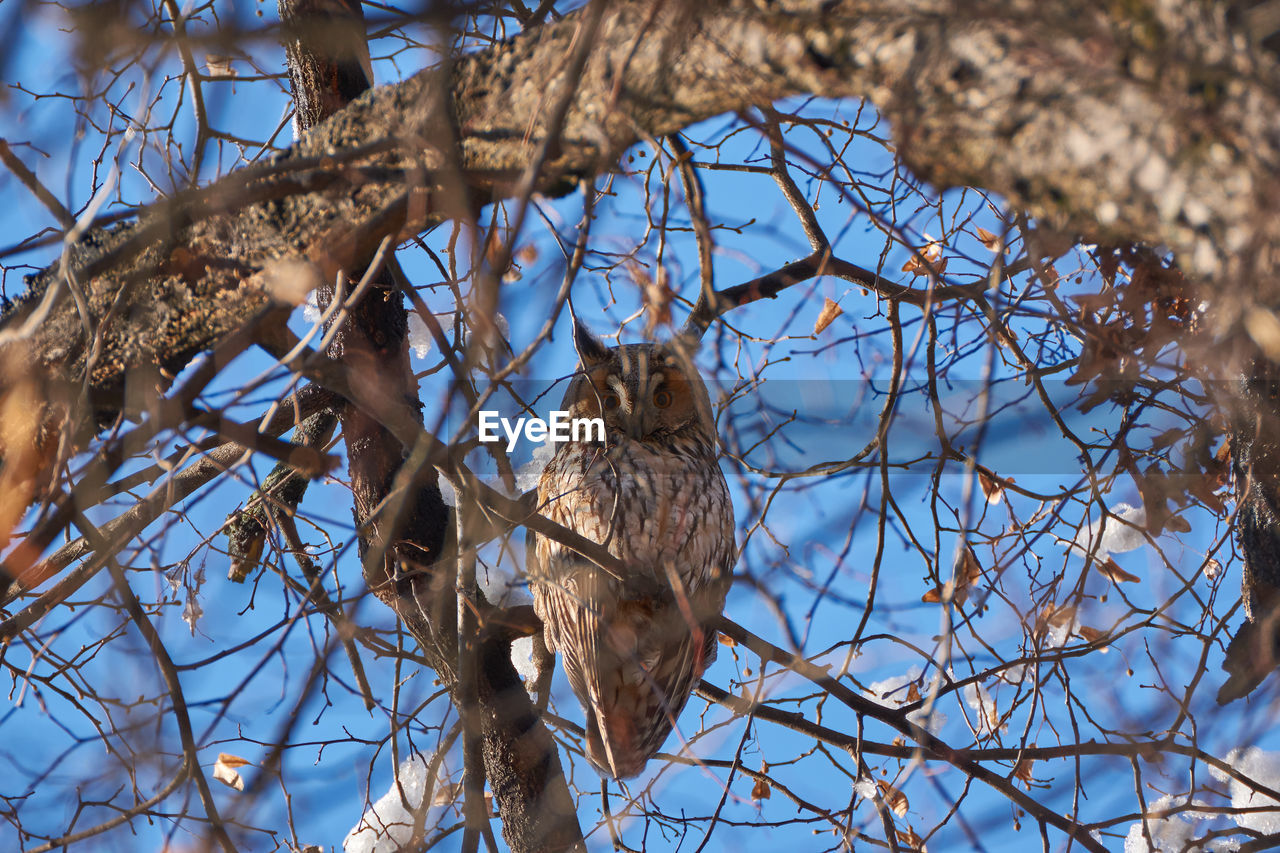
(634, 646)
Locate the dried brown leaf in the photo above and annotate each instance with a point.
(1224, 452)
(1054, 617)
(656, 292)
(224, 770)
(26, 453)
(992, 489)
(760, 790)
(1064, 615)
(1110, 569)
(989, 241)
(1167, 438)
(893, 798)
(1091, 635)
(1204, 489)
(830, 311)
(970, 572)
(1049, 277)
(219, 66)
(447, 793)
(908, 836)
(928, 256)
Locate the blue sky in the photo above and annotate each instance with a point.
(810, 543)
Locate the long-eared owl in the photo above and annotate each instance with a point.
(652, 493)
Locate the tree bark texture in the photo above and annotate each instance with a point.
(1255, 440)
(403, 551)
(1159, 124)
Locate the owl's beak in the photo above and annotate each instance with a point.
(640, 423)
(635, 425)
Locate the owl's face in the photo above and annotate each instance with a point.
(645, 392)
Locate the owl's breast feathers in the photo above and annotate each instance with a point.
(634, 647)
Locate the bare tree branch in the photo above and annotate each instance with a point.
(973, 112)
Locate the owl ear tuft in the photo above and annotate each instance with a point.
(682, 348)
(590, 349)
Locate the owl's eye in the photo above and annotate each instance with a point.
(610, 401)
(661, 398)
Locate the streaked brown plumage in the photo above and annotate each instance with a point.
(652, 492)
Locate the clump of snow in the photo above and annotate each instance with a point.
(387, 826)
(1175, 832)
(1107, 536)
(1013, 674)
(311, 309)
(192, 611)
(1264, 768)
(501, 586)
(1059, 627)
(1167, 833)
(896, 689)
(509, 590)
(447, 493)
(420, 339)
(522, 659)
(528, 474)
(977, 698)
(865, 788)
(931, 721)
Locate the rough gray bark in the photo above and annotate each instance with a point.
(520, 758)
(328, 57)
(1255, 649)
(1152, 123)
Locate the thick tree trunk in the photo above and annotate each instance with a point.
(1159, 124)
(1255, 443)
(401, 548)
